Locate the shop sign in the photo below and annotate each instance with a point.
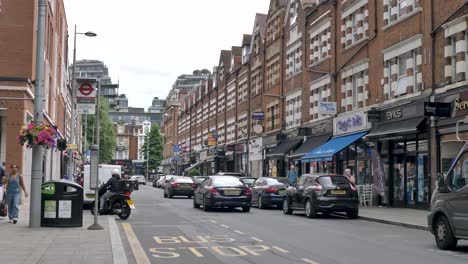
(255, 149)
(411, 111)
(327, 108)
(461, 105)
(437, 109)
(258, 116)
(322, 127)
(203, 155)
(350, 123)
(373, 116)
(211, 140)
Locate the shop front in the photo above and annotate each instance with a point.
(318, 133)
(255, 157)
(270, 166)
(448, 145)
(401, 153)
(346, 149)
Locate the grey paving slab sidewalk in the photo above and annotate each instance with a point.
(411, 218)
(21, 244)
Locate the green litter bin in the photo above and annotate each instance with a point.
(61, 204)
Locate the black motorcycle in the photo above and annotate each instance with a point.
(118, 204)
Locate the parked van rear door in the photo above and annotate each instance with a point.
(457, 199)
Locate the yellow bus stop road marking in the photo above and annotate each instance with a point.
(138, 251)
(310, 261)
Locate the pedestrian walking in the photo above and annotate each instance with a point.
(350, 176)
(292, 174)
(14, 183)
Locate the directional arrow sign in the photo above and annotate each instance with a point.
(48, 188)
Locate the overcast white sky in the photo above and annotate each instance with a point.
(148, 43)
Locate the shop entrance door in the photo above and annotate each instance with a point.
(397, 174)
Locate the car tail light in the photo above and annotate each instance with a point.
(175, 185)
(248, 191)
(214, 191)
(127, 194)
(317, 187)
(271, 189)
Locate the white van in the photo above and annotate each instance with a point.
(105, 172)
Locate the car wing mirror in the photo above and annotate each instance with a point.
(441, 186)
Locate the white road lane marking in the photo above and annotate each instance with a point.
(257, 239)
(138, 251)
(225, 226)
(239, 232)
(310, 261)
(118, 252)
(280, 249)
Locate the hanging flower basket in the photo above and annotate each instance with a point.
(37, 134)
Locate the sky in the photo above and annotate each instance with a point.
(148, 43)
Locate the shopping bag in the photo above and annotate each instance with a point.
(3, 206)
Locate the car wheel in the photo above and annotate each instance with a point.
(246, 209)
(170, 194)
(165, 195)
(443, 234)
(286, 207)
(206, 208)
(189, 196)
(260, 203)
(353, 214)
(195, 205)
(310, 212)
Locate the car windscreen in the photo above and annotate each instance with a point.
(248, 181)
(199, 179)
(284, 181)
(226, 181)
(183, 180)
(332, 180)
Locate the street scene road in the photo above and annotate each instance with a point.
(163, 230)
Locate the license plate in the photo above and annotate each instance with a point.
(90, 196)
(130, 202)
(338, 192)
(186, 186)
(281, 191)
(231, 192)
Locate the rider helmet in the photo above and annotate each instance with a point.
(115, 172)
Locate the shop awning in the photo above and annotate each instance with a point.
(402, 127)
(310, 144)
(283, 148)
(198, 163)
(326, 151)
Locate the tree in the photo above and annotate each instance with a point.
(194, 172)
(155, 148)
(108, 139)
(196, 72)
(205, 72)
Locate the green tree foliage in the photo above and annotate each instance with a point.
(205, 72)
(155, 148)
(108, 139)
(194, 172)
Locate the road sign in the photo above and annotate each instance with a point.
(86, 109)
(437, 109)
(86, 90)
(72, 146)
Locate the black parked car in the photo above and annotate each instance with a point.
(222, 191)
(269, 191)
(323, 193)
(182, 186)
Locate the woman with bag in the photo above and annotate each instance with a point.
(14, 183)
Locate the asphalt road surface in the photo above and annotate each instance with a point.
(163, 230)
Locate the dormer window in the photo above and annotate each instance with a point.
(232, 64)
(245, 54)
(293, 13)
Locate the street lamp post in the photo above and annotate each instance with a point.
(72, 133)
(147, 155)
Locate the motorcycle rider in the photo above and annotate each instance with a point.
(110, 188)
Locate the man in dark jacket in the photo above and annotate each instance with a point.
(111, 187)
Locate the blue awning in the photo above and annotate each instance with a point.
(326, 151)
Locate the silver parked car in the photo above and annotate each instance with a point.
(448, 219)
(140, 178)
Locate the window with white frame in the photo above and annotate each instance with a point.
(293, 62)
(273, 29)
(293, 109)
(231, 96)
(245, 54)
(221, 101)
(199, 114)
(272, 116)
(320, 91)
(399, 9)
(205, 111)
(256, 83)
(221, 134)
(355, 86)
(293, 13)
(213, 107)
(355, 26)
(242, 91)
(242, 126)
(320, 39)
(273, 74)
(355, 91)
(231, 131)
(456, 50)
